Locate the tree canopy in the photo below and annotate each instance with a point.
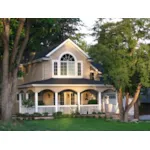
(122, 48)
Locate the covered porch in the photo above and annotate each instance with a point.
(67, 98)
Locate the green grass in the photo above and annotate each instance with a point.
(74, 124)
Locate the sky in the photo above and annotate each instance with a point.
(89, 22)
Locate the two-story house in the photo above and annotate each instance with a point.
(64, 78)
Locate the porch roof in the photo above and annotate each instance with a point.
(66, 81)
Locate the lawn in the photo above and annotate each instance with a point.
(74, 124)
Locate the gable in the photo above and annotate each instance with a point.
(68, 44)
(68, 48)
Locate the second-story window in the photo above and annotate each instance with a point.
(67, 65)
(55, 68)
(79, 69)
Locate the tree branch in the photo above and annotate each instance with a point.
(17, 38)
(5, 38)
(136, 95)
(24, 43)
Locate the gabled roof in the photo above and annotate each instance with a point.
(68, 40)
(47, 51)
(98, 66)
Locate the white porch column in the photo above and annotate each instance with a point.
(78, 98)
(36, 101)
(56, 102)
(99, 101)
(20, 102)
(116, 97)
(27, 95)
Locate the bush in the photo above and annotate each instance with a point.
(37, 114)
(93, 101)
(27, 103)
(45, 113)
(93, 112)
(57, 114)
(18, 114)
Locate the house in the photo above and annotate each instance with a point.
(64, 78)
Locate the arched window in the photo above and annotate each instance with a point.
(67, 57)
(67, 65)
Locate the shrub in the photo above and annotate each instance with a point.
(93, 101)
(27, 102)
(37, 114)
(18, 114)
(93, 112)
(57, 114)
(45, 113)
(100, 113)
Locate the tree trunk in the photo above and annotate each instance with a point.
(9, 99)
(126, 116)
(9, 72)
(136, 110)
(120, 103)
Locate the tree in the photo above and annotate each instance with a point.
(125, 56)
(11, 57)
(15, 43)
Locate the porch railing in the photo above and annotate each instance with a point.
(88, 109)
(46, 108)
(29, 110)
(67, 109)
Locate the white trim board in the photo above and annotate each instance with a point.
(62, 85)
(68, 40)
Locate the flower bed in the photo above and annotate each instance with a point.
(78, 115)
(34, 116)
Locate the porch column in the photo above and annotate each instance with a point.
(116, 97)
(56, 102)
(36, 101)
(20, 102)
(78, 98)
(27, 95)
(99, 101)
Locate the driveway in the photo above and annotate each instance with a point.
(144, 117)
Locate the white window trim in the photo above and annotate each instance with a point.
(81, 68)
(66, 76)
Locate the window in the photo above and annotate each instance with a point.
(63, 68)
(67, 57)
(72, 99)
(66, 66)
(61, 98)
(79, 69)
(17, 97)
(55, 68)
(92, 76)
